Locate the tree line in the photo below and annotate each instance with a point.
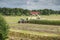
(20, 11)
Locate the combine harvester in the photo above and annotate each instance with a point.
(34, 16)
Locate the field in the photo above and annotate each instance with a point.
(33, 30)
(16, 18)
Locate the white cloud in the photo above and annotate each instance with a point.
(31, 4)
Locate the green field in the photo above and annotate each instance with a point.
(16, 18)
(34, 29)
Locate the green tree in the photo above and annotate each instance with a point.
(26, 12)
(3, 29)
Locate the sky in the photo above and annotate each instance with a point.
(31, 4)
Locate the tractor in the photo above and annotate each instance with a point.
(35, 16)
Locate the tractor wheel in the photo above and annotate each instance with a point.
(18, 21)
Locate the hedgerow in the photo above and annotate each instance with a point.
(3, 28)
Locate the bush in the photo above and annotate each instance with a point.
(49, 22)
(3, 28)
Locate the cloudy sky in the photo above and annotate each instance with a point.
(31, 4)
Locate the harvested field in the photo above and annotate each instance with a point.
(31, 29)
(36, 27)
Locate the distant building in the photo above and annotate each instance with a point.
(34, 13)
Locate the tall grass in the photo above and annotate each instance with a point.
(49, 22)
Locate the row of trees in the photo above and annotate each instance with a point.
(20, 11)
(48, 11)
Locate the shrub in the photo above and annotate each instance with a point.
(3, 28)
(49, 22)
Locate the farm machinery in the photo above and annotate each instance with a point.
(35, 16)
